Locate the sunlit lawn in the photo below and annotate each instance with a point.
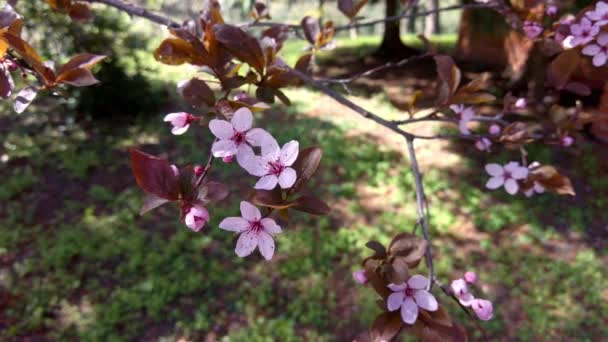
(77, 262)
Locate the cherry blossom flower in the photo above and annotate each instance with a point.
(507, 176)
(551, 10)
(470, 277)
(600, 14)
(196, 217)
(461, 291)
(567, 141)
(483, 144)
(409, 296)
(483, 309)
(532, 29)
(359, 277)
(273, 166)
(599, 50)
(180, 121)
(465, 115)
(175, 170)
(234, 137)
(255, 231)
(581, 33)
(521, 103)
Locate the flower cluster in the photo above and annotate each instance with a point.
(483, 308)
(587, 33)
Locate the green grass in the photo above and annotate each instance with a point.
(80, 264)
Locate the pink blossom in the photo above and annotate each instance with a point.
(494, 129)
(600, 14)
(483, 144)
(175, 170)
(551, 10)
(532, 29)
(470, 277)
(461, 291)
(599, 50)
(273, 166)
(359, 277)
(507, 176)
(197, 217)
(234, 137)
(180, 121)
(255, 231)
(521, 103)
(483, 309)
(567, 141)
(198, 170)
(581, 33)
(409, 296)
(465, 115)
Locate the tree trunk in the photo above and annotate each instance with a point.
(392, 46)
(411, 22)
(431, 22)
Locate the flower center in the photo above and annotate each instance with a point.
(275, 168)
(255, 226)
(238, 137)
(409, 292)
(508, 175)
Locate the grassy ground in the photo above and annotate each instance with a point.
(77, 262)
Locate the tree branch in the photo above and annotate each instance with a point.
(137, 11)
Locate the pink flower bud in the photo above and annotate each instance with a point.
(198, 170)
(551, 10)
(521, 103)
(567, 141)
(494, 129)
(12, 66)
(180, 122)
(359, 277)
(459, 287)
(483, 144)
(175, 170)
(470, 277)
(197, 217)
(532, 29)
(483, 309)
(228, 159)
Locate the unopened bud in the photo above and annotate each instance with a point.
(567, 141)
(228, 159)
(198, 170)
(494, 129)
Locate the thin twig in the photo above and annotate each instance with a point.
(420, 202)
(199, 181)
(137, 11)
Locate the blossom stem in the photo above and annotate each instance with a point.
(451, 294)
(206, 169)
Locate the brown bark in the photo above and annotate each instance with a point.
(392, 46)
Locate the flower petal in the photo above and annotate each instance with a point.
(250, 212)
(511, 186)
(246, 244)
(179, 130)
(591, 50)
(257, 136)
(397, 287)
(266, 245)
(418, 282)
(289, 153)
(242, 119)
(270, 148)
(222, 129)
(395, 300)
(409, 311)
(224, 148)
(287, 178)
(602, 39)
(494, 169)
(599, 59)
(234, 224)
(495, 183)
(466, 299)
(426, 300)
(270, 226)
(520, 172)
(267, 182)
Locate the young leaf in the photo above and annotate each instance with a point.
(154, 175)
(212, 192)
(561, 68)
(408, 248)
(312, 205)
(377, 247)
(306, 165)
(196, 93)
(78, 77)
(175, 51)
(6, 83)
(24, 98)
(386, 327)
(271, 199)
(80, 12)
(449, 78)
(311, 29)
(84, 61)
(152, 202)
(240, 44)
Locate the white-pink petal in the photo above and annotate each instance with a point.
(602, 39)
(599, 59)
(267, 182)
(495, 183)
(224, 148)
(250, 212)
(466, 299)
(426, 300)
(266, 245)
(270, 226)
(511, 186)
(246, 244)
(179, 130)
(222, 129)
(397, 287)
(418, 282)
(494, 170)
(409, 311)
(234, 224)
(395, 300)
(242, 120)
(289, 153)
(591, 50)
(287, 178)
(257, 136)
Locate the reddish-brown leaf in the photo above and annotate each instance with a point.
(408, 248)
(306, 165)
(196, 93)
(279, 33)
(152, 202)
(449, 78)
(80, 12)
(312, 205)
(154, 175)
(30, 56)
(241, 45)
(311, 29)
(24, 98)
(349, 8)
(175, 51)
(212, 192)
(6, 83)
(78, 77)
(84, 61)
(271, 199)
(386, 327)
(562, 67)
